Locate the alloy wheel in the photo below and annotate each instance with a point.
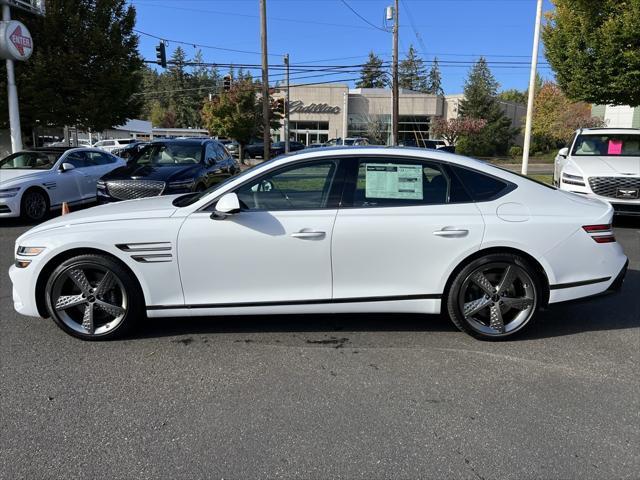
(90, 299)
(35, 205)
(498, 298)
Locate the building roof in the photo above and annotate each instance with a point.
(136, 126)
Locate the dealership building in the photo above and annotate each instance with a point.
(319, 113)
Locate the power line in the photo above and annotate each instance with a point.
(362, 18)
(198, 45)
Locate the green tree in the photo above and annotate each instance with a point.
(411, 72)
(85, 69)
(434, 79)
(237, 114)
(372, 74)
(481, 102)
(513, 95)
(594, 49)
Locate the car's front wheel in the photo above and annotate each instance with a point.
(93, 297)
(494, 296)
(34, 205)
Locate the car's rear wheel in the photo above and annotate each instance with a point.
(93, 297)
(494, 296)
(34, 205)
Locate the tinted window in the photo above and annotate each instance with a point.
(295, 188)
(482, 187)
(220, 155)
(77, 159)
(210, 154)
(384, 182)
(97, 158)
(169, 154)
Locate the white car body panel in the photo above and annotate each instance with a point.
(74, 186)
(375, 249)
(248, 263)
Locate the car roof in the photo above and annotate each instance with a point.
(604, 130)
(184, 141)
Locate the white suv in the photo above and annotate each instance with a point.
(113, 144)
(603, 163)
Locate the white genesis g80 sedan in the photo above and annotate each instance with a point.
(326, 231)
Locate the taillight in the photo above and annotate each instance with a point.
(600, 233)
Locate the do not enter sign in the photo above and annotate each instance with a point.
(15, 41)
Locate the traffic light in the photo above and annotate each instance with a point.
(226, 83)
(161, 55)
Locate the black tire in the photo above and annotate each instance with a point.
(521, 299)
(34, 205)
(125, 295)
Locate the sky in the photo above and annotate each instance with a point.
(329, 33)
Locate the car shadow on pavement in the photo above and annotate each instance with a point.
(616, 311)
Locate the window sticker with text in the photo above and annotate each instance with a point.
(402, 182)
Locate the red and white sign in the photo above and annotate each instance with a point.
(15, 41)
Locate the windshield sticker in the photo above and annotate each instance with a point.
(393, 181)
(615, 147)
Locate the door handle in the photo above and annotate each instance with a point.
(455, 233)
(307, 233)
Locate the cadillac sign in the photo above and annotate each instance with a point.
(15, 41)
(297, 106)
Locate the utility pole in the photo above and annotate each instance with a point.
(265, 80)
(532, 85)
(286, 106)
(12, 93)
(394, 87)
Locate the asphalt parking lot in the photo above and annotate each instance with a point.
(365, 396)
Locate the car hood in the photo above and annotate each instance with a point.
(14, 176)
(143, 208)
(603, 166)
(166, 173)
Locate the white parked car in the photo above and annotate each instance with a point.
(330, 230)
(603, 163)
(32, 182)
(114, 143)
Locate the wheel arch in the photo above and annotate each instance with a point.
(540, 270)
(51, 265)
(31, 188)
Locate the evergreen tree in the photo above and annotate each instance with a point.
(434, 79)
(372, 74)
(183, 100)
(480, 101)
(85, 69)
(411, 72)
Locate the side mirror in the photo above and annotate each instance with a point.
(563, 152)
(65, 167)
(227, 205)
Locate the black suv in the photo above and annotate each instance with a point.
(167, 167)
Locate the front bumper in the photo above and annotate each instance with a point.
(10, 207)
(24, 288)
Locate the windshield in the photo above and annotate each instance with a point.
(30, 160)
(609, 145)
(159, 154)
(192, 198)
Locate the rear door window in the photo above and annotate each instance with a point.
(482, 187)
(390, 182)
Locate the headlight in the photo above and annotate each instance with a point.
(182, 184)
(30, 251)
(573, 179)
(9, 192)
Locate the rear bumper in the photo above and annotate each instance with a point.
(588, 289)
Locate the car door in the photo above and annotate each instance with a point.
(277, 249)
(98, 165)
(403, 223)
(72, 185)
